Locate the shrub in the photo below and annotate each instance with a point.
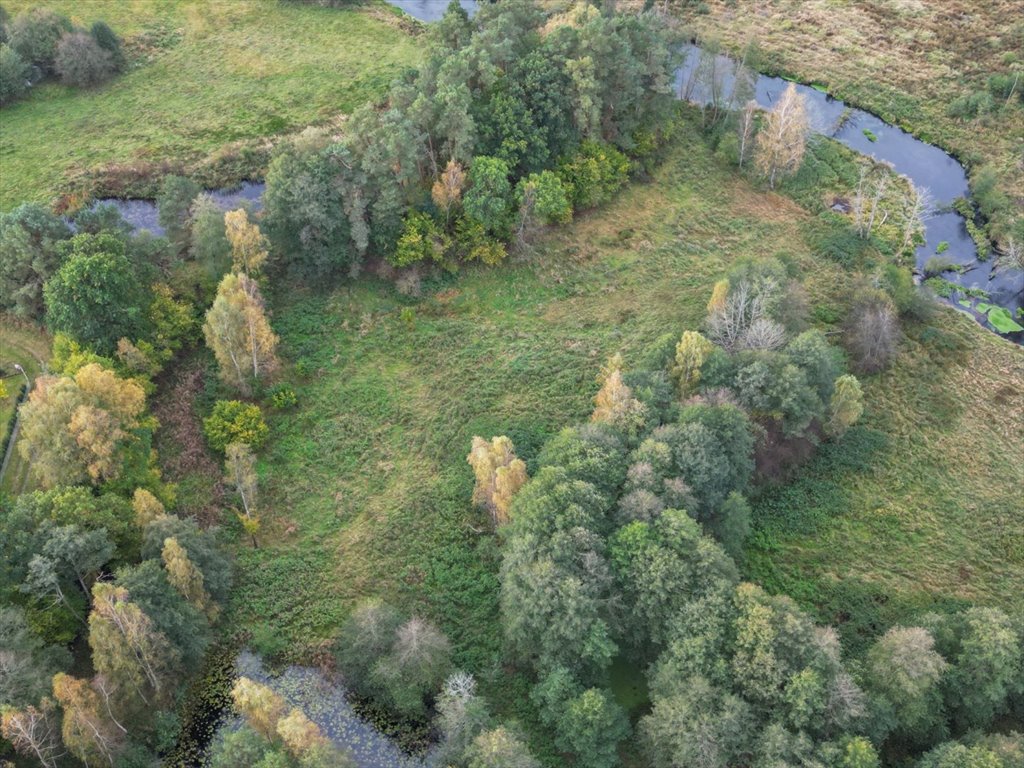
(35, 35)
(283, 397)
(14, 72)
(81, 62)
(109, 42)
(872, 332)
(421, 240)
(233, 421)
(938, 265)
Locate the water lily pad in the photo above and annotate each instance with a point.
(965, 303)
(984, 306)
(1003, 321)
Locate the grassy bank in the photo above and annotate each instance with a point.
(905, 61)
(30, 349)
(367, 490)
(208, 79)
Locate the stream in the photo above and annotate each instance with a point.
(927, 166)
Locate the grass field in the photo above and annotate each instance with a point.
(905, 60)
(31, 350)
(367, 490)
(209, 79)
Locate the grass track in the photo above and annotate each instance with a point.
(225, 73)
(31, 349)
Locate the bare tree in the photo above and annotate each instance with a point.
(918, 207)
(1012, 256)
(783, 138)
(33, 733)
(746, 127)
(872, 333)
(743, 322)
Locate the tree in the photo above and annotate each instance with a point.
(14, 74)
(233, 421)
(846, 405)
(691, 352)
(81, 62)
(614, 403)
(592, 727)
(28, 257)
(366, 636)
(918, 206)
(239, 334)
(126, 647)
(147, 507)
(260, 705)
(417, 663)
(904, 672)
(499, 475)
(421, 240)
(35, 35)
(87, 732)
(185, 577)
(746, 129)
(499, 748)
(783, 136)
(33, 732)
(489, 195)
(174, 202)
(954, 755)
(858, 752)
(542, 200)
(771, 387)
(69, 554)
(447, 189)
(593, 174)
(242, 748)
(660, 567)
(461, 717)
(95, 296)
(209, 244)
(299, 733)
(27, 663)
(240, 466)
(248, 245)
(743, 320)
(872, 331)
(76, 429)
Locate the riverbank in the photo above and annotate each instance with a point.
(907, 62)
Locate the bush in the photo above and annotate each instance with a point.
(594, 174)
(14, 72)
(421, 240)
(872, 332)
(109, 42)
(81, 61)
(938, 265)
(283, 397)
(35, 35)
(233, 421)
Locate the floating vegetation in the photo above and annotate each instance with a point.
(870, 134)
(942, 247)
(1001, 319)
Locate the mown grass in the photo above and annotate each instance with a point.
(30, 348)
(207, 78)
(904, 60)
(366, 488)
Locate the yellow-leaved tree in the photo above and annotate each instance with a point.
(146, 507)
(447, 189)
(240, 474)
(238, 332)
(248, 245)
(783, 137)
(76, 429)
(614, 403)
(846, 406)
(691, 352)
(499, 475)
(261, 707)
(183, 575)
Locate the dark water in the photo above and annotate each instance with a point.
(927, 166)
(430, 10)
(325, 704)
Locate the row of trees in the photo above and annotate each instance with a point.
(41, 43)
(622, 545)
(513, 121)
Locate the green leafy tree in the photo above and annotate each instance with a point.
(592, 727)
(904, 673)
(499, 748)
(239, 334)
(96, 297)
(414, 668)
(594, 453)
(845, 406)
(209, 244)
(954, 755)
(422, 240)
(35, 35)
(594, 174)
(489, 196)
(27, 663)
(29, 236)
(14, 74)
(366, 636)
(200, 545)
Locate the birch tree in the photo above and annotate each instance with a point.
(33, 733)
(86, 732)
(238, 332)
(248, 245)
(783, 137)
(240, 466)
(499, 474)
